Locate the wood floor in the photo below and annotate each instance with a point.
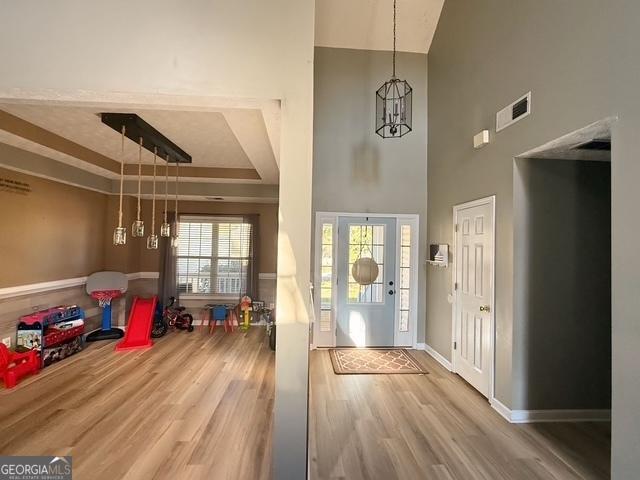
(194, 406)
(197, 406)
(436, 426)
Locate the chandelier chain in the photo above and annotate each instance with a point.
(394, 39)
(166, 188)
(177, 163)
(153, 204)
(139, 175)
(121, 178)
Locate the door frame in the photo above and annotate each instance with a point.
(401, 219)
(491, 201)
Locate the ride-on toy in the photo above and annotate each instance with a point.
(14, 366)
(172, 317)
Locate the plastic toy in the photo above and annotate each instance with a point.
(218, 313)
(140, 323)
(104, 287)
(54, 333)
(14, 366)
(245, 313)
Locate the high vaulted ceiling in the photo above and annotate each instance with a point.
(368, 24)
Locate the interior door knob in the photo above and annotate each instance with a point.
(485, 308)
(391, 292)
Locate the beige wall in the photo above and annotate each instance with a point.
(54, 232)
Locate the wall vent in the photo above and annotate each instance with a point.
(513, 112)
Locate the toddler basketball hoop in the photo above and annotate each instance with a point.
(104, 287)
(104, 297)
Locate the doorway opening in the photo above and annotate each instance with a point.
(562, 278)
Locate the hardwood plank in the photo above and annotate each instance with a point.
(193, 406)
(436, 426)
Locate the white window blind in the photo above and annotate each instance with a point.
(214, 256)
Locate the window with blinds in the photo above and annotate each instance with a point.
(214, 256)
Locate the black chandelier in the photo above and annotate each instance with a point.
(393, 101)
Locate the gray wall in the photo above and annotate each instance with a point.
(354, 170)
(580, 60)
(562, 238)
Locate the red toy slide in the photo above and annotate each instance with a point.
(138, 333)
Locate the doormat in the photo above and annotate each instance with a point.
(383, 361)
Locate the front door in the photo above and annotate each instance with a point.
(473, 347)
(366, 312)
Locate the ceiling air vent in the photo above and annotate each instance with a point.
(595, 144)
(514, 112)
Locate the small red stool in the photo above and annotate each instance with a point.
(14, 366)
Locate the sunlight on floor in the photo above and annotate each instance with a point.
(357, 329)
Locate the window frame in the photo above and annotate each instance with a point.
(190, 218)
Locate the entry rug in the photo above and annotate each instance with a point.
(353, 361)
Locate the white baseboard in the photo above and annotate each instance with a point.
(501, 408)
(540, 416)
(438, 358)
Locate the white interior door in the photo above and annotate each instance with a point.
(366, 313)
(474, 264)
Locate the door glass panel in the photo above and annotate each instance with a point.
(366, 241)
(326, 281)
(405, 276)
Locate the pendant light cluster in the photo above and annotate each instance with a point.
(147, 137)
(393, 101)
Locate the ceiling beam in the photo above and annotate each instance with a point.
(34, 133)
(195, 172)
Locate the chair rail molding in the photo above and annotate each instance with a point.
(30, 289)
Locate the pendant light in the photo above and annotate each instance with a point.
(120, 233)
(165, 228)
(393, 101)
(152, 240)
(137, 229)
(176, 233)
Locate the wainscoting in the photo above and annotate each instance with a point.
(24, 299)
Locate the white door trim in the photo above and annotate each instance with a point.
(491, 200)
(401, 219)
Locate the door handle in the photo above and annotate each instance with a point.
(392, 292)
(485, 308)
